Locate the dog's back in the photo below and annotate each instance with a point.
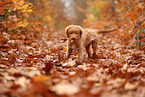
(90, 35)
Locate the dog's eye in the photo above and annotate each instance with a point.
(76, 33)
(70, 33)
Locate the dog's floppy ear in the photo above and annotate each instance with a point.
(81, 33)
(66, 31)
(81, 30)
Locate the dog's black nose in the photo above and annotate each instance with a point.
(73, 38)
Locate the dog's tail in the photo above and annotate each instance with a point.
(106, 30)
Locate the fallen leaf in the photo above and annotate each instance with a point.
(125, 67)
(93, 77)
(64, 88)
(41, 78)
(69, 64)
(131, 85)
(72, 73)
(22, 81)
(48, 67)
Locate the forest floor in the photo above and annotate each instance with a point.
(38, 68)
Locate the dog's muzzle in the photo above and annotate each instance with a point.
(73, 38)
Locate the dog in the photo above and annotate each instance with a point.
(79, 38)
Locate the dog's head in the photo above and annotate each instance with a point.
(73, 32)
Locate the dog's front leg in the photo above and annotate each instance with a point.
(69, 50)
(80, 54)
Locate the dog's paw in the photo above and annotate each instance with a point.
(94, 56)
(78, 63)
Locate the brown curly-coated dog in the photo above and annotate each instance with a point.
(78, 38)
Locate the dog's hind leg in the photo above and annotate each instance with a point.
(88, 50)
(94, 46)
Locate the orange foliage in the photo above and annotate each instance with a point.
(129, 15)
(21, 19)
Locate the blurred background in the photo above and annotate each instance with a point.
(81, 12)
(60, 13)
(32, 17)
(57, 13)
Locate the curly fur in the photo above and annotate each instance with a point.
(78, 38)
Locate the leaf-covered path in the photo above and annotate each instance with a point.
(38, 69)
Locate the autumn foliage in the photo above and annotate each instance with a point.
(33, 49)
(129, 15)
